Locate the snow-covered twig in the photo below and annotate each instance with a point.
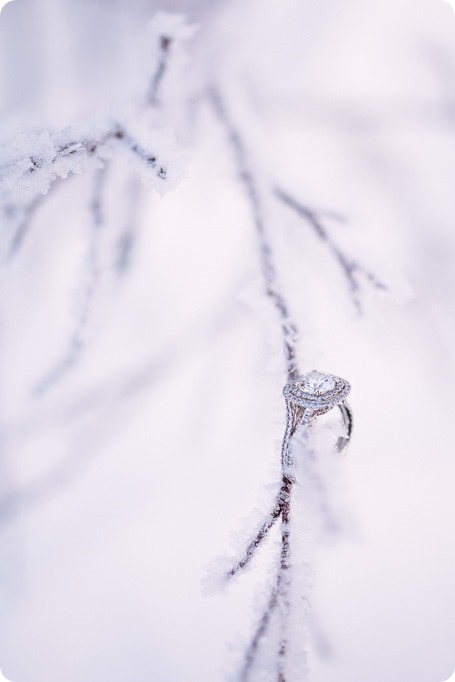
(281, 508)
(351, 269)
(32, 164)
(165, 48)
(289, 330)
(22, 228)
(259, 633)
(125, 243)
(90, 287)
(170, 32)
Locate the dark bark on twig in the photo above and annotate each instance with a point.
(289, 333)
(284, 579)
(289, 330)
(280, 593)
(23, 227)
(138, 150)
(91, 148)
(260, 632)
(351, 268)
(160, 72)
(77, 342)
(257, 540)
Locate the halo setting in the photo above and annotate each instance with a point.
(317, 390)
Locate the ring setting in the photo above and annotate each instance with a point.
(317, 391)
(310, 395)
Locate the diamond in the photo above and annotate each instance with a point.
(317, 391)
(316, 382)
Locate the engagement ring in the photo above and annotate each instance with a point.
(310, 395)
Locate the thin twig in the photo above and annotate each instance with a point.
(162, 66)
(350, 267)
(284, 578)
(84, 147)
(126, 240)
(289, 333)
(77, 342)
(259, 633)
(23, 227)
(257, 540)
(297, 417)
(289, 330)
(141, 152)
(279, 506)
(280, 592)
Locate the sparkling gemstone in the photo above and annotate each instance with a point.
(316, 382)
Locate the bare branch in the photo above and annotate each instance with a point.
(260, 632)
(257, 540)
(23, 227)
(165, 43)
(91, 284)
(350, 268)
(297, 418)
(289, 330)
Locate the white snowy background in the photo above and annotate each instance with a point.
(123, 479)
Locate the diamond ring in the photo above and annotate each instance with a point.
(310, 395)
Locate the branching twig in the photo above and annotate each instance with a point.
(280, 591)
(351, 269)
(36, 161)
(78, 339)
(289, 336)
(33, 162)
(257, 540)
(281, 508)
(77, 342)
(49, 156)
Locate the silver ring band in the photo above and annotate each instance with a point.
(311, 395)
(346, 415)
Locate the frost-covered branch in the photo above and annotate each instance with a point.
(22, 227)
(124, 246)
(289, 330)
(34, 162)
(281, 508)
(352, 270)
(154, 171)
(261, 535)
(169, 33)
(259, 634)
(90, 287)
(165, 48)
